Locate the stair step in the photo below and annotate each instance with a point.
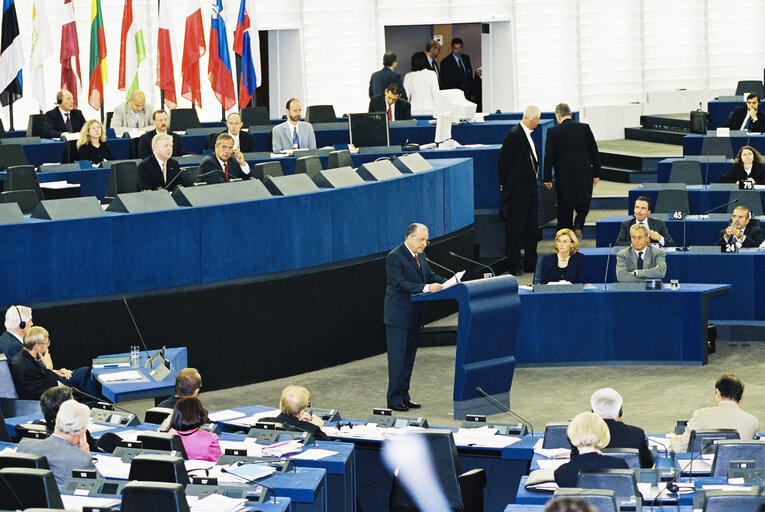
(623, 175)
(655, 135)
(668, 122)
(609, 202)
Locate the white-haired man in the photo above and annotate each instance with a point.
(17, 320)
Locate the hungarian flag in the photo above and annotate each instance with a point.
(11, 55)
(97, 56)
(247, 46)
(193, 51)
(219, 68)
(71, 78)
(132, 48)
(166, 54)
(42, 48)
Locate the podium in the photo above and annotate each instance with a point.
(489, 314)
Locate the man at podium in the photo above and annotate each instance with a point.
(408, 272)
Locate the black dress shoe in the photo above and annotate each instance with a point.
(399, 408)
(412, 405)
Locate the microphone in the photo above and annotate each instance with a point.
(473, 262)
(721, 206)
(441, 266)
(102, 400)
(608, 262)
(503, 407)
(252, 481)
(140, 337)
(182, 170)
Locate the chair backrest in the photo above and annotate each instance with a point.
(728, 450)
(255, 116)
(750, 198)
(12, 154)
(189, 176)
(158, 468)
(7, 387)
(621, 481)
(264, 169)
(701, 439)
(717, 146)
(686, 171)
(733, 501)
(143, 496)
(35, 125)
(26, 199)
(210, 140)
(310, 165)
(163, 441)
(23, 460)
(630, 455)
(320, 114)
(123, 179)
(32, 487)
(109, 116)
(604, 500)
(556, 436)
(157, 415)
(747, 86)
(181, 119)
(340, 158)
(672, 200)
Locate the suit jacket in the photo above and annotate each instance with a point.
(434, 67)
(30, 377)
(626, 436)
(736, 119)
(737, 173)
(281, 138)
(246, 142)
(382, 79)
(150, 174)
(573, 273)
(517, 166)
(122, 120)
(199, 444)
(567, 474)
(626, 261)
(725, 415)
(9, 345)
(210, 164)
(62, 456)
(404, 278)
(303, 426)
(653, 224)
(572, 150)
(753, 234)
(452, 76)
(94, 154)
(402, 110)
(144, 144)
(54, 125)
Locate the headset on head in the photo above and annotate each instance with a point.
(22, 323)
(59, 98)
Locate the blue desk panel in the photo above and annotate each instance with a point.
(700, 198)
(540, 508)
(124, 391)
(711, 172)
(52, 151)
(697, 231)
(692, 143)
(744, 271)
(719, 110)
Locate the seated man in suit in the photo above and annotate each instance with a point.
(226, 163)
(64, 118)
(161, 122)
(159, 170)
(293, 133)
(657, 230)
(387, 75)
(67, 448)
(293, 404)
(18, 320)
(398, 109)
(640, 261)
(726, 413)
(749, 118)
(134, 114)
(243, 141)
(188, 382)
(741, 231)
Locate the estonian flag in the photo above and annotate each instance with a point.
(11, 56)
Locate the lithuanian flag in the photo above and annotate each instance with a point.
(97, 56)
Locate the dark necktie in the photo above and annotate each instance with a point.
(295, 139)
(390, 113)
(640, 261)
(748, 124)
(67, 122)
(417, 259)
(225, 170)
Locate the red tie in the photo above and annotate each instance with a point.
(417, 260)
(225, 170)
(390, 115)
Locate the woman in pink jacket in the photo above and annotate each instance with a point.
(188, 416)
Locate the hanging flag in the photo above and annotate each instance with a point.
(71, 78)
(132, 48)
(11, 55)
(97, 56)
(219, 68)
(193, 50)
(247, 46)
(42, 48)
(166, 54)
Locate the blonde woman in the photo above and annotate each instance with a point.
(92, 143)
(567, 264)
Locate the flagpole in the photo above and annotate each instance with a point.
(11, 128)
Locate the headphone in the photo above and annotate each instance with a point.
(22, 323)
(59, 98)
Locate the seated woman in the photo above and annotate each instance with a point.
(567, 264)
(92, 143)
(188, 416)
(589, 433)
(747, 166)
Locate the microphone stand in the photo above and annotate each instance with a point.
(473, 262)
(441, 266)
(504, 408)
(608, 262)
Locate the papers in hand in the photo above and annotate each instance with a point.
(120, 376)
(454, 279)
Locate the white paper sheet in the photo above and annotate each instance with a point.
(314, 454)
(72, 502)
(249, 421)
(226, 414)
(120, 376)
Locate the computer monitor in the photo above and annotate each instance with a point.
(369, 129)
(454, 101)
(443, 127)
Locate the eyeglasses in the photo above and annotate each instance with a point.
(420, 240)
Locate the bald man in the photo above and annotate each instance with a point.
(134, 114)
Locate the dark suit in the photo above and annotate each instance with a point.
(9, 345)
(567, 474)
(402, 109)
(382, 79)
(54, 125)
(653, 224)
(403, 317)
(572, 150)
(737, 173)
(246, 142)
(519, 202)
(302, 426)
(210, 164)
(150, 174)
(434, 66)
(453, 77)
(144, 144)
(736, 119)
(573, 273)
(753, 234)
(30, 377)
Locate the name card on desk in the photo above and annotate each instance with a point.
(722, 132)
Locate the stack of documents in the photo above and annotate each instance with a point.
(483, 437)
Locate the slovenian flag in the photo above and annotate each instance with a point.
(219, 68)
(97, 56)
(247, 46)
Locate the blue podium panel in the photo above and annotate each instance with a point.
(700, 198)
(719, 110)
(52, 151)
(681, 313)
(693, 231)
(125, 391)
(92, 182)
(305, 487)
(744, 272)
(711, 172)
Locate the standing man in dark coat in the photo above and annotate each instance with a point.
(386, 76)
(432, 50)
(408, 272)
(519, 202)
(456, 71)
(572, 150)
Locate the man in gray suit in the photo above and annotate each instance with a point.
(640, 261)
(657, 229)
(134, 114)
(293, 133)
(67, 448)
